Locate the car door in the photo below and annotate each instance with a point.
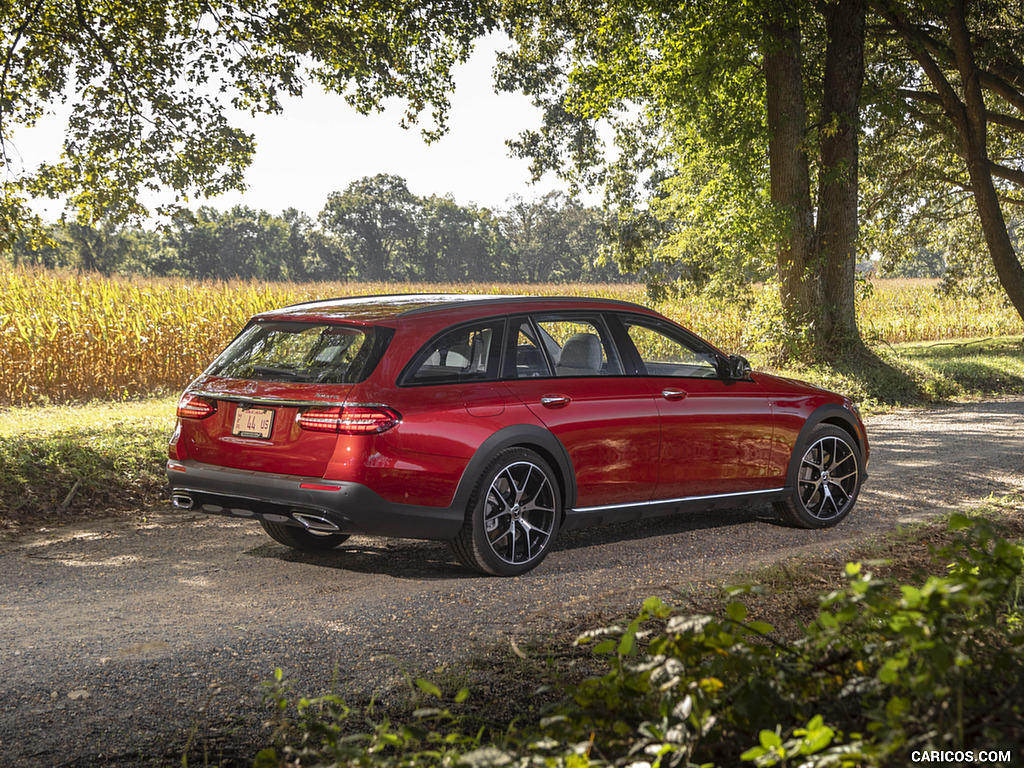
(564, 367)
(716, 431)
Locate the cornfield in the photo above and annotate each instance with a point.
(70, 337)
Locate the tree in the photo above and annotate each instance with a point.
(452, 245)
(961, 85)
(376, 218)
(553, 239)
(730, 77)
(148, 84)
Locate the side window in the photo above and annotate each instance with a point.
(468, 353)
(529, 357)
(578, 346)
(669, 355)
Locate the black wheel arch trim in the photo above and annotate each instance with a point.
(525, 436)
(830, 413)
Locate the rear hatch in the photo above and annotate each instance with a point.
(248, 410)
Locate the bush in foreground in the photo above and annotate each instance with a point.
(882, 672)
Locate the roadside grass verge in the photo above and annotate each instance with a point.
(923, 373)
(64, 463)
(910, 643)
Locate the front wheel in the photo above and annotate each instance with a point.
(828, 480)
(512, 516)
(301, 539)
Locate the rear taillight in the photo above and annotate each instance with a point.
(192, 407)
(349, 419)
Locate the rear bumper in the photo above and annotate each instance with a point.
(308, 502)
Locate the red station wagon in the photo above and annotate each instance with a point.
(493, 423)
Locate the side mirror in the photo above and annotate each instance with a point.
(739, 367)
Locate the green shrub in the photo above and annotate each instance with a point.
(879, 673)
(882, 671)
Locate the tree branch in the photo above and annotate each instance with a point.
(956, 183)
(922, 46)
(1009, 174)
(1001, 87)
(1007, 121)
(928, 97)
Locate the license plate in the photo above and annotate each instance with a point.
(253, 422)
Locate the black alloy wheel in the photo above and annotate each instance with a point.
(512, 517)
(828, 480)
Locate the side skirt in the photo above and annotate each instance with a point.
(580, 517)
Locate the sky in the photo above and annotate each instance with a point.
(320, 145)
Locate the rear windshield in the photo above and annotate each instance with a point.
(302, 352)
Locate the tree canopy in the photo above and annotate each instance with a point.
(149, 85)
(782, 138)
(375, 229)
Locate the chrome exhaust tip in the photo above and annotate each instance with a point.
(315, 523)
(181, 501)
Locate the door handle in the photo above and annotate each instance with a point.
(671, 393)
(555, 401)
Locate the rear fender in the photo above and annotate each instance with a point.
(525, 436)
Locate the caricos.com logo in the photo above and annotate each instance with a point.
(962, 757)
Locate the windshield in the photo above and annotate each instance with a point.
(302, 352)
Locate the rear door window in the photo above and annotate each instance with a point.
(282, 351)
(577, 346)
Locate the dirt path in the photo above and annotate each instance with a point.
(119, 640)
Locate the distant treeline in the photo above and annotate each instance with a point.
(375, 230)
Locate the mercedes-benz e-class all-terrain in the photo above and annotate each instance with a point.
(493, 423)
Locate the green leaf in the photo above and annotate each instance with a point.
(960, 522)
(911, 596)
(753, 754)
(736, 611)
(889, 671)
(769, 739)
(761, 627)
(266, 758)
(627, 646)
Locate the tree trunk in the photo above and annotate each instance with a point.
(790, 178)
(835, 243)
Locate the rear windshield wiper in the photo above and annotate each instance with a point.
(265, 370)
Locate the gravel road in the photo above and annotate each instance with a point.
(118, 640)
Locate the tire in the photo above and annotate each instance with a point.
(512, 516)
(828, 479)
(299, 538)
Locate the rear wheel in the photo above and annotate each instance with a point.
(828, 480)
(299, 538)
(512, 516)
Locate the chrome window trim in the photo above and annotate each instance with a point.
(269, 400)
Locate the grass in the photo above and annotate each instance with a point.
(64, 464)
(969, 367)
(921, 373)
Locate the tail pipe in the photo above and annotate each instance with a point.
(181, 501)
(315, 523)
